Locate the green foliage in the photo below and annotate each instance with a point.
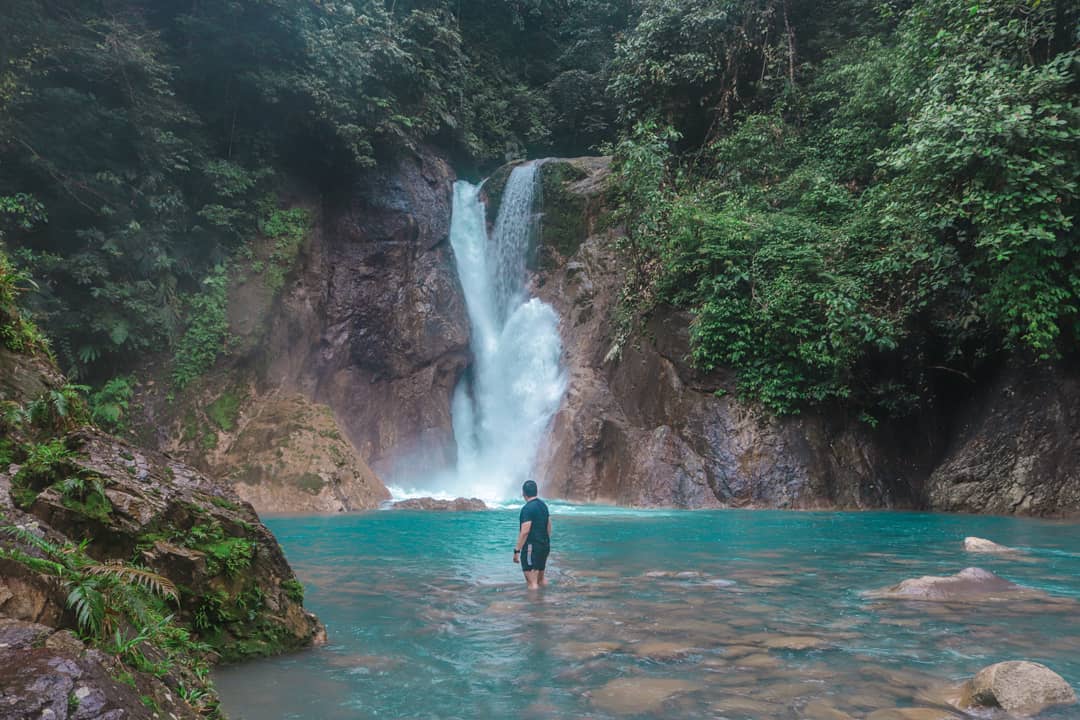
(51, 464)
(231, 555)
(121, 608)
(60, 409)
(17, 332)
(85, 495)
(103, 596)
(224, 411)
(109, 405)
(45, 463)
(903, 207)
(21, 211)
(287, 229)
(225, 554)
(208, 332)
(294, 590)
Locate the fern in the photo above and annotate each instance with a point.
(149, 581)
(88, 603)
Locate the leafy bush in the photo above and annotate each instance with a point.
(109, 405)
(908, 211)
(294, 590)
(60, 409)
(208, 332)
(224, 411)
(17, 332)
(288, 229)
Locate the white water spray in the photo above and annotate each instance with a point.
(502, 407)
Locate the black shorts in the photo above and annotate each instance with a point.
(534, 557)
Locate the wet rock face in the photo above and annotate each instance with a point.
(50, 674)
(643, 427)
(1017, 449)
(376, 324)
(24, 377)
(237, 590)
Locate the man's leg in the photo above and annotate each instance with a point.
(540, 578)
(531, 578)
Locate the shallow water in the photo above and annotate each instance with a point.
(428, 617)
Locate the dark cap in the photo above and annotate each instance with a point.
(529, 489)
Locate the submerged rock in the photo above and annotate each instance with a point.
(821, 710)
(638, 695)
(428, 503)
(1020, 687)
(661, 650)
(912, 714)
(977, 544)
(970, 584)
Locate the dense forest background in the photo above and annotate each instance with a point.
(857, 201)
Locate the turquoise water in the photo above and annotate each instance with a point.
(727, 614)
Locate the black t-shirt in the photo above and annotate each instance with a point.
(536, 511)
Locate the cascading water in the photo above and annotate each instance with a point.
(502, 407)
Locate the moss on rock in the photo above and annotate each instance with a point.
(563, 224)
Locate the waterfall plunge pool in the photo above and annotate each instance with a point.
(428, 617)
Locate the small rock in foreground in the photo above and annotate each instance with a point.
(982, 545)
(428, 503)
(1021, 688)
(45, 673)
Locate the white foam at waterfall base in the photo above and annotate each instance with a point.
(502, 407)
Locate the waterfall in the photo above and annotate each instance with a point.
(501, 408)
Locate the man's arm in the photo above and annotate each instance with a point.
(549, 526)
(522, 535)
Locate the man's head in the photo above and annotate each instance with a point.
(529, 489)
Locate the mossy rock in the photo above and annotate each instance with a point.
(563, 224)
(225, 410)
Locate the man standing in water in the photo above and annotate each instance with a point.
(534, 537)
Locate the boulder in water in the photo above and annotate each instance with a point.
(1021, 688)
(970, 584)
(982, 545)
(429, 503)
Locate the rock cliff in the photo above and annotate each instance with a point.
(375, 324)
(343, 373)
(640, 426)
